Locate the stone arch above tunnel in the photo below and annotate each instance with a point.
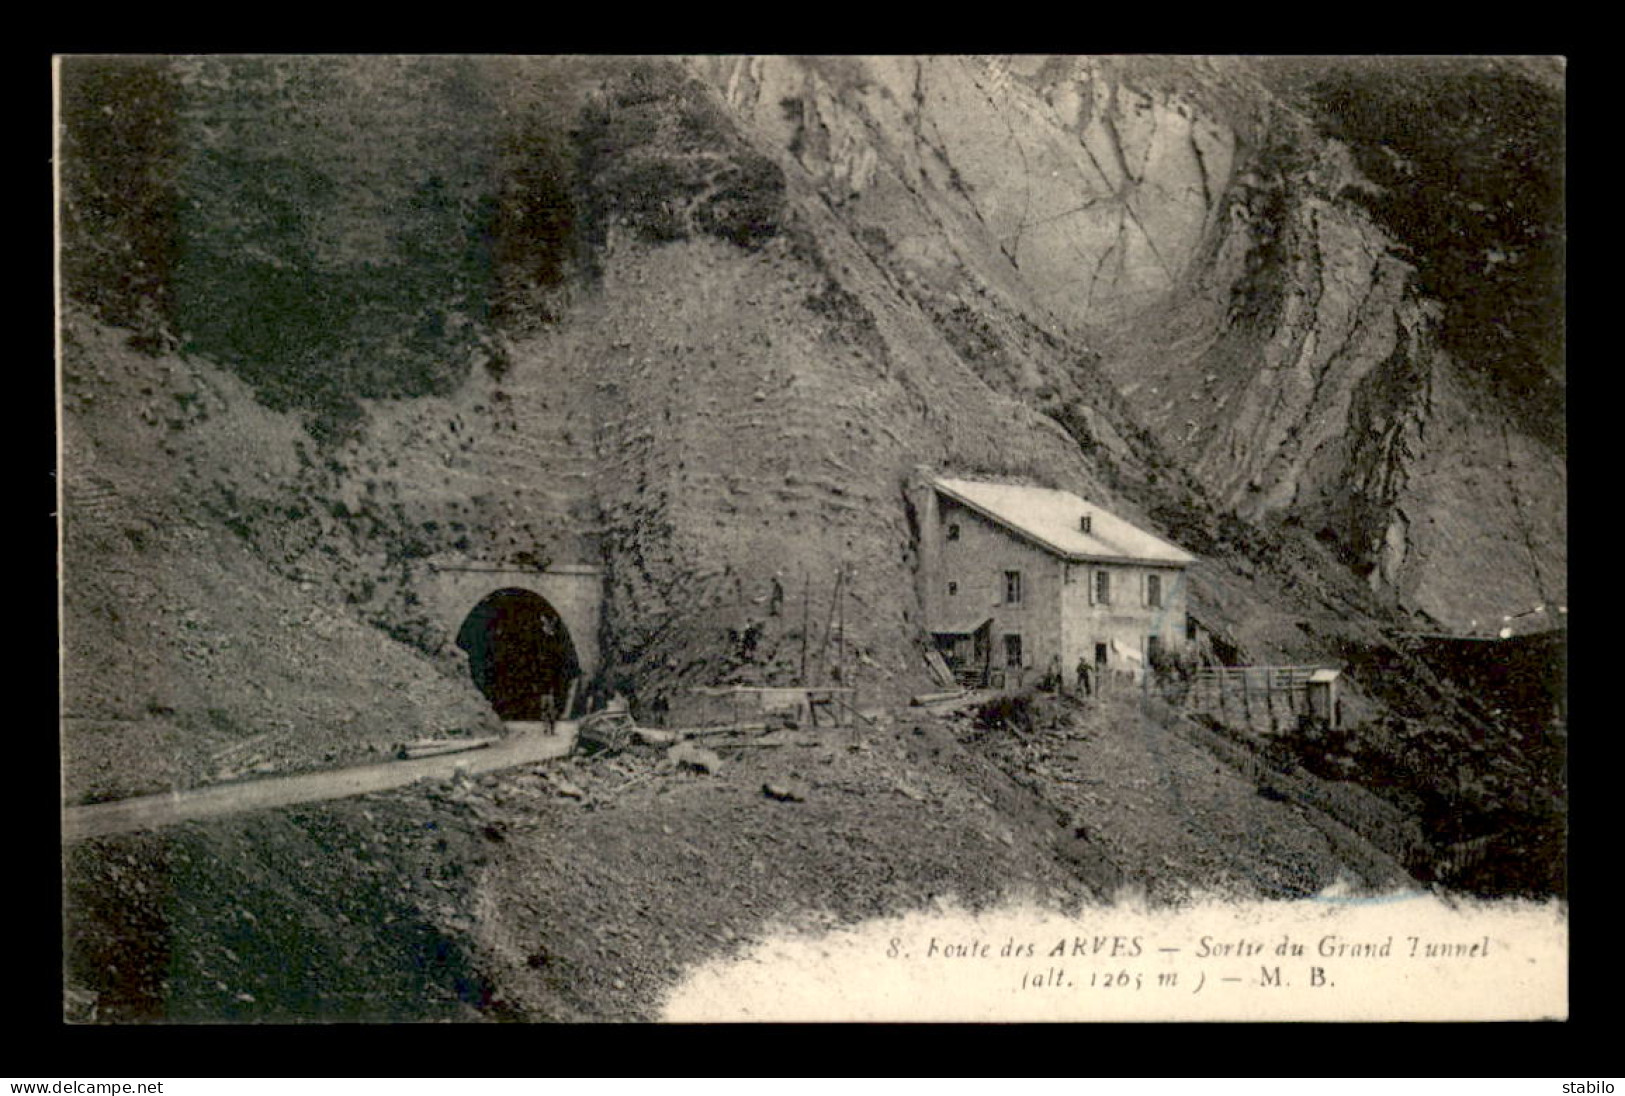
(520, 653)
(455, 585)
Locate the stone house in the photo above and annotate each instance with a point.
(1017, 582)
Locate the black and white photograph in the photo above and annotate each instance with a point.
(718, 538)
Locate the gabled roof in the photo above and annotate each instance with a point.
(1051, 519)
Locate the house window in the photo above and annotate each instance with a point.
(1153, 648)
(1012, 587)
(1103, 588)
(1153, 591)
(953, 531)
(1086, 523)
(953, 588)
(1012, 652)
(1100, 654)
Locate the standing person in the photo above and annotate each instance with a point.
(549, 712)
(1085, 677)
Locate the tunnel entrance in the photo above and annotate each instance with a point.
(520, 654)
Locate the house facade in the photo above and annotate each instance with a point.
(1017, 582)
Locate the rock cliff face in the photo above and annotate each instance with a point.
(1226, 260)
(697, 321)
(1191, 226)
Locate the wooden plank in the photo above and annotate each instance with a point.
(939, 669)
(840, 660)
(806, 612)
(707, 732)
(444, 746)
(829, 621)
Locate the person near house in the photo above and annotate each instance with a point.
(1086, 677)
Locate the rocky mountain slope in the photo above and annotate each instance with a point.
(697, 321)
(1290, 282)
(584, 890)
(329, 323)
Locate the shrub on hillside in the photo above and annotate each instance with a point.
(656, 156)
(331, 228)
(1008, 712)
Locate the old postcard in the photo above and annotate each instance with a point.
(719, 538)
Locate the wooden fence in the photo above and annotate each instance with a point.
(1251, 696)
(738, 705)
(1463, 856)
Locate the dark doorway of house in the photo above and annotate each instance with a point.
(520, 654)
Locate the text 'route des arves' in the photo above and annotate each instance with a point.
(1205, 964)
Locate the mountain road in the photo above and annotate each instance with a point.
(526, 744)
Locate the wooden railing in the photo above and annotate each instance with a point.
(1276, 694)
(971, 677)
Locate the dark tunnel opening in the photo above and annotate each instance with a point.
(520, 654)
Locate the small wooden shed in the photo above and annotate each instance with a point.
(1320, 691)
